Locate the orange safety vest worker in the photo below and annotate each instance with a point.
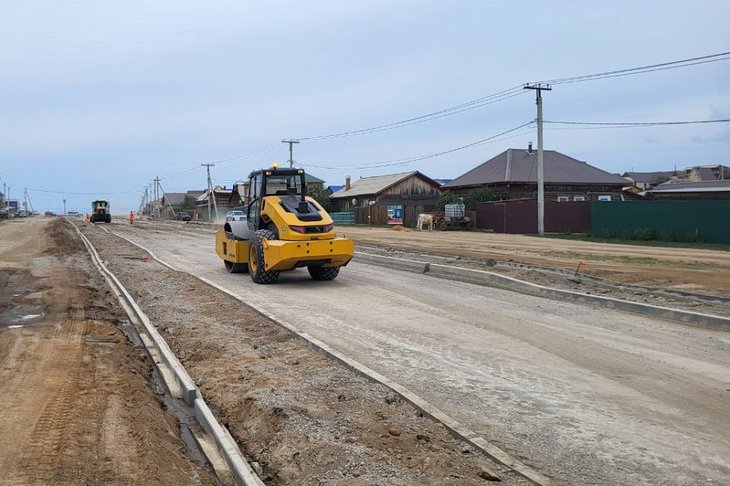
(131, 217)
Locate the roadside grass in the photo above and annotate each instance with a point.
(656, 243)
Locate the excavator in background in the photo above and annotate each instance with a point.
(100, 212)
(283, 229)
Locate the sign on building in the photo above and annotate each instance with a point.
(395, 214)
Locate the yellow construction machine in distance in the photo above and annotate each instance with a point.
(284, 229)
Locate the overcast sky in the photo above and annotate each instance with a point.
(100, 97)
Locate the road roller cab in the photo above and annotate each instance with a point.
(100, 212)
(284, 229)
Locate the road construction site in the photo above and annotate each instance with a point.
(423, 380)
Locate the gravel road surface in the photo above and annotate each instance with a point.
(584, 395)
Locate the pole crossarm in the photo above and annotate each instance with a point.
(291, 143)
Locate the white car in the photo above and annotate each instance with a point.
(235, 216)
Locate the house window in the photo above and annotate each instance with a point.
(563, 199)
(604, 197)
(579, 198)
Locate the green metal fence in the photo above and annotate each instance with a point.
(343, 218)
(683, 221)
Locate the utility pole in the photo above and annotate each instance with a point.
(157, 186)
(143, 202)
(539, 88)
(27, 200)
(210, 193)
(162, 193)
(291, 150)
(158, 197)
(64, 206)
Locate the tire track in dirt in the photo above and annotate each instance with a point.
(78, 406)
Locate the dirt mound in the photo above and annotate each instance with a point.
(400, 227)
(65, 240)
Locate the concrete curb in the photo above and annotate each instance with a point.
(483, 277)
(227, 447)
(454, 427)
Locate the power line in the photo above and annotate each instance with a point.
(693, 61)
(516, 91)
(259, 151)
(578, 125)
(262, 150)
(83, 193)
(410, 160)
(453, 110)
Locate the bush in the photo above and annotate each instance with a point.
(682, 236)
(641, 234)
(188, 203)
(481, 194)
(447, 197)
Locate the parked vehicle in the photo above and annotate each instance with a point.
(235, 215)
(183, 216)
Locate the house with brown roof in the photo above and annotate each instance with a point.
(170, 203)
(412, 192)
(513, 175)
(687, 190)
(647, 180)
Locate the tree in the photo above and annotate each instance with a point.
(478, 195)
(447, 197)
(188, 203)
(320, 195)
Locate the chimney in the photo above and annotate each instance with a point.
(347, 183)
(529, 148)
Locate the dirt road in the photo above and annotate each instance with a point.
(671, 268)
(78, 405)
(584, 395)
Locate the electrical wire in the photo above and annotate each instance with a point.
(577, 125)
(453, 110)
(83, 193)
(693, 61)
(517, 90)
(410, 160)
(259, 151)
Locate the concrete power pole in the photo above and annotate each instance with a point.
(210, 193)
(291, 150)
(28, 201)
(539, 88)
(158, 197)
(143, 202)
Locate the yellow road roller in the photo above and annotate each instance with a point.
(281, 229)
